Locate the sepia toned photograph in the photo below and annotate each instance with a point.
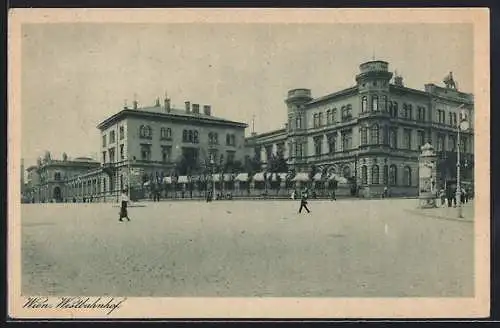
(249, 163)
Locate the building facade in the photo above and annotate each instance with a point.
(48, 181)
(141, 144)
(371, 133)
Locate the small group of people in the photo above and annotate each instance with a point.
(449, 196)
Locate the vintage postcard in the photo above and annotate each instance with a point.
(250, 163)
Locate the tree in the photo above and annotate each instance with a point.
(312, 172)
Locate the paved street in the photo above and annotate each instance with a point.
(378, 248)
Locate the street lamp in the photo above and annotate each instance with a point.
(462, 126)
(212, 165)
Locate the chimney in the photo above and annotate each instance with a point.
(188, 106)
(206, 110)
(398, 79)
(196, 108)
(166, 102)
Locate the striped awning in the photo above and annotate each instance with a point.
(282, 176)
(337, 177)
(317, 177)
(167, 180)
(243, 177)
(183, 179)
(228, 177)
(258, 176)
(301, 176)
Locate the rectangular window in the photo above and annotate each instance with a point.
(298, 150)
(166, 152)
(112, 137)
(421, 138)
(104, 140)
(407, 138)
(393, 138)
(112, 155)
(317, 145)
(230, 155)
(122, 132)
(440, 142)
(332, 143)
(452, 143)
(346, 140)
(269, 152)
(212, 154)
(146, 152)
(104, 157)
(122, 154)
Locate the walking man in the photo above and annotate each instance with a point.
(123, 209)
(303, 201)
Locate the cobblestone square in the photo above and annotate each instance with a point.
(358, 248)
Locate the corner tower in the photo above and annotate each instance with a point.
(373, 85)
(295, 102)
(297, 124)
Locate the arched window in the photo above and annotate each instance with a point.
(393, 175)
(334, 116)
(163, 133)
(190, 135)
(364, 136)
(195, 137)
(407, 176)
(315, 120)
(142, 131)
(364, 103)
(395, 110)
(384, 99)
(375, 103)
(375, 174)
(374, 133)
(320, 119)
(57, 176)
(328, 117)
(210, 138)
(169, 133)
(385, 175)
(364, 175)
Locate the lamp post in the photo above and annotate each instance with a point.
(212, 165)
(463, 125)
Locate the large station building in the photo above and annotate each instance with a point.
(371, 133)
(140, 144)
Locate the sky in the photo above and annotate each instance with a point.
(76, 75)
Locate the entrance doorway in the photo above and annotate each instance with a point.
(57, 195)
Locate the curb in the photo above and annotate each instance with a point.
(439, 217)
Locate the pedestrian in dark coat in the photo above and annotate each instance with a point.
(303, 201)
(123, 208)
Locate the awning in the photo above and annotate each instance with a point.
(216, 177)
(147, 183)
(282, 176)
(227, 177)
(243, 177)
(182, 179)
(258, 176)
(337, 177)
(317, 177)
(301, 176)
(167, 180)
